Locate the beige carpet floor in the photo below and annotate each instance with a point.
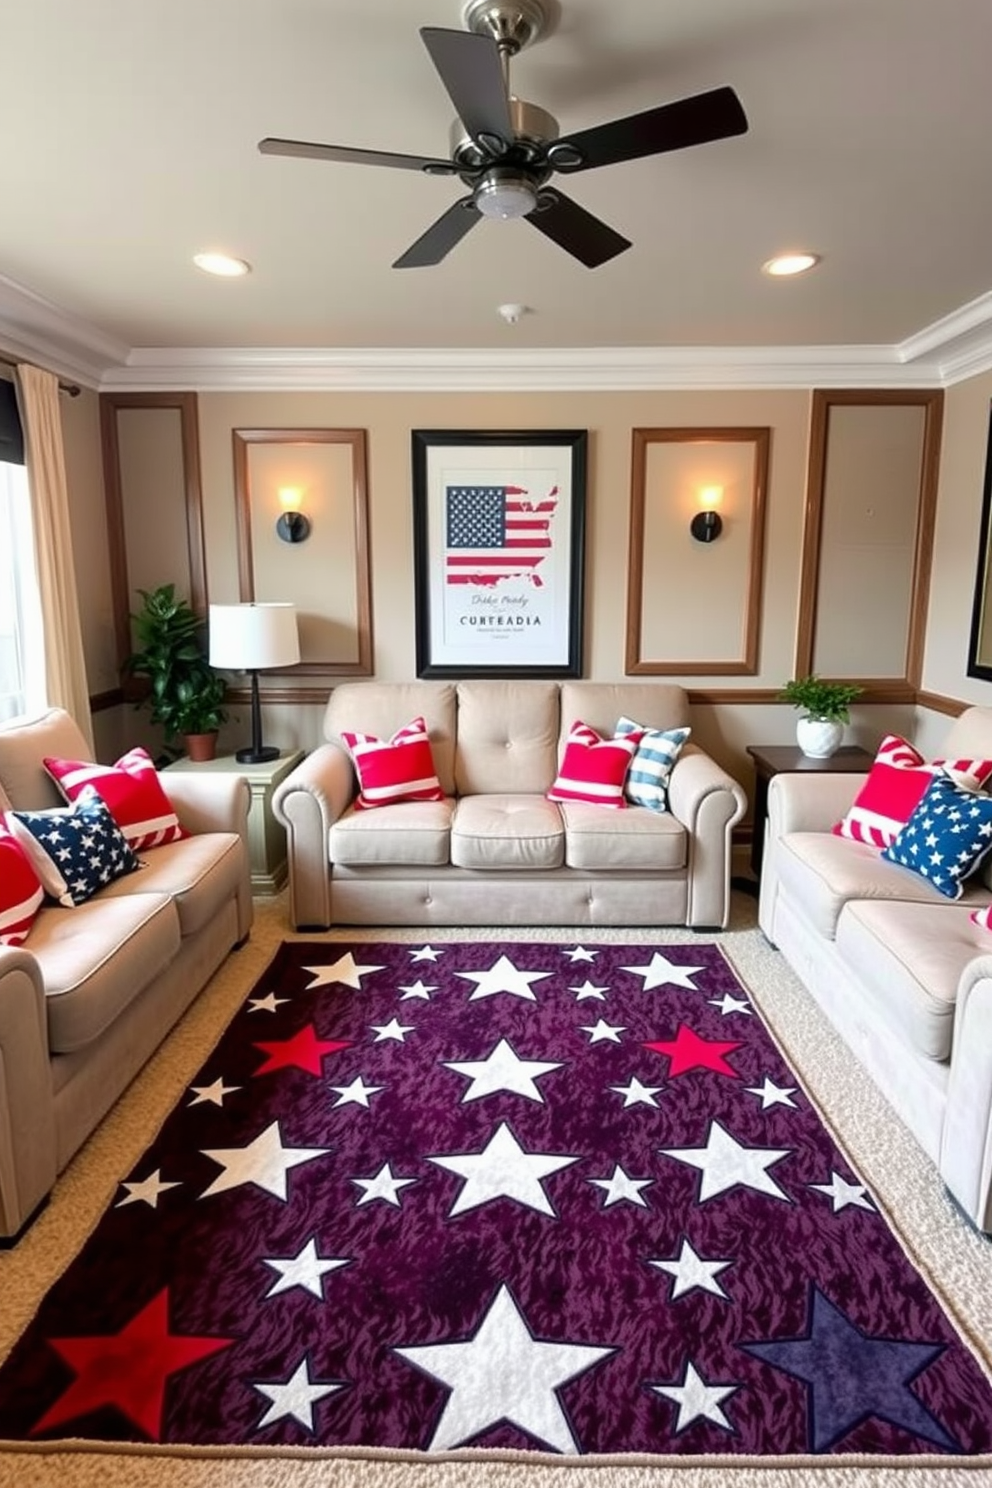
(956, 1261)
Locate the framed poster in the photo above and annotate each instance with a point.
(498, 545)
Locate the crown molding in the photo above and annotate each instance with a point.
(36, 330)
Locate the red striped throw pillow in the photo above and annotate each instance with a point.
(396, 769)
(594, 769)
(132, 791)
(896, 784)
(20, 891)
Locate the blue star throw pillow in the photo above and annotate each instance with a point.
(946, 837)
(74, 850)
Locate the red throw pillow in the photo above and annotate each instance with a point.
(396, 769)
(981, 917)
(133, 792)
(20, 891)
(594, 769)
(896, 784)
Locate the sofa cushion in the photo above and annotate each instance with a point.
(658, 705)
(507, 737)
(502, 831)
(822, 873)
(412, 833)
(593, 769)
(75, 850)
(397, 769)
(24, 744)
(96, 959)
(908, 958)
(132, 790)
(21, 893)
(201, 874)
(633, 839)
(896, 783)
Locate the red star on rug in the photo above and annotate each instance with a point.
(687, 1051)
(128, 1369)
(303, 1051)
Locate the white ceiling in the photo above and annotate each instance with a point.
(130, 143)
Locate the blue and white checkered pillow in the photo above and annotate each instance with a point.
(948, 834)
(647, 779)
(74, 850)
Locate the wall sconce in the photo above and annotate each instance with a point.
(293, 526)
(707, 523)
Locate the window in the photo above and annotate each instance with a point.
(22, 658)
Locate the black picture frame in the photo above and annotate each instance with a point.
(980, 646)
(499, 551)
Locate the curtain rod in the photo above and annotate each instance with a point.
(64, 387)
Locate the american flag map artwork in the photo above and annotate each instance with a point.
(496, 533)
(563, 1198)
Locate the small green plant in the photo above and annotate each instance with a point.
(185, 694)
(818, 699)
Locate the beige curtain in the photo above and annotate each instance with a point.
(65, 666)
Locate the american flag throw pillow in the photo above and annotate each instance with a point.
(896, 784)
(20, 891)
(133, 792)
(594, 769)
(396, 769)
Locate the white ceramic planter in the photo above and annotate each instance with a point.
(818, 738)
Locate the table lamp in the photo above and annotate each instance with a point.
(251, 638)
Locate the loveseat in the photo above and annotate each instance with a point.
(92, 990)
(903, 973)
(495, 850)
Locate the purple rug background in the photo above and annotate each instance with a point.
(419, 1275)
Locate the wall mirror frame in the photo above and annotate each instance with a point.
(980, 641)
(750, 516)
(354, 517)
(931, 400)
(111, 405)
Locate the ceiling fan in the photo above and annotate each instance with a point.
(506, 150)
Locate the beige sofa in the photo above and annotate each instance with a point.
(902, 973)
(93, 990)
(495, 851)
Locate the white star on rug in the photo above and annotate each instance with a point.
(294, 1397)
(382, 1186)
(267, 1004)
(502, 1070)
(343, 970)
(504, 1374)
(620, 1188)
(728, 1004)
(725, 1163)
(418, 989)
(660, 972)
(426, 953)
(146, 1192)
(636, 1094)
(214, 1093)
(579, 953)
(589, 989)
(355, 1094)
(503, 977)
(843, 1193)
(771, 1094)
(305, 1270)
(264, 1162)
(691, 1272)
(502, 1170)
(696, 1399)
(394, 1029)
(600, 1031)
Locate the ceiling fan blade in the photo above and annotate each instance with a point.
(581, 234)
(441, 236)
(715, 115)
(471, 70)
(349, 156)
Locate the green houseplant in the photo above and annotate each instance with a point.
(825, 708)
(185, 694)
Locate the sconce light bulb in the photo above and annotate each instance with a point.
(290, 498)
(710, 497)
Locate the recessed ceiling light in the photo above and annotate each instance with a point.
(222, 265)
(790, 263)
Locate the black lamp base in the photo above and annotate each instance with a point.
(256, 756)
(257, 752)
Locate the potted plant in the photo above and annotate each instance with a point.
(185, 694)
(825, 710)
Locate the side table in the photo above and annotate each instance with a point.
(788, 759)
(266, 838)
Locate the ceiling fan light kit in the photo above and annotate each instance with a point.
(505, 150)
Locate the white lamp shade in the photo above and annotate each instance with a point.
(251, 637)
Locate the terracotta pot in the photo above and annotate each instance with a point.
(201, 746)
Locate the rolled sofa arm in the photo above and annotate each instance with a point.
(28, 1156)
(966, 1137)
(308, 802)
(210, 803)
(708, 802)
(809, 803)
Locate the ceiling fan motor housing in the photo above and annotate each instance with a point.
(533, 128)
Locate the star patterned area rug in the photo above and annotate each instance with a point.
(516, 1200)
